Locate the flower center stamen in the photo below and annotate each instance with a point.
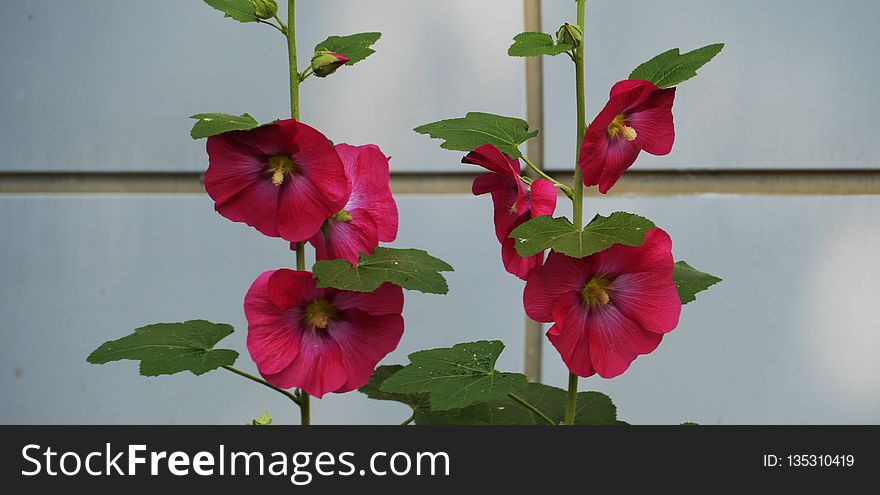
(342, 216)
(320, 314)
(280, 166)
(618, 126)
(596, 290)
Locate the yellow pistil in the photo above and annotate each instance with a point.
(596, 290)
(342, 216)
(618, 126)
(320, 314)
(280, 166)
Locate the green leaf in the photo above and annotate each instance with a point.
(263, 420)
(168, 348)
(412, 269)
(477, 129)
(536, 44)
(356, 46)
(671, 68)
(240, 10)
(689, 281)
(593, 408)
(559, 234)
(373, 389)
(212, 124)
(456, 377)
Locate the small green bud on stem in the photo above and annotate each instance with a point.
(325, 63)
(265, 9)
(570, 34)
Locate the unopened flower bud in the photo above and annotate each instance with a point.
(570, 34)
(265, 9)
(325, 63)
(263, 420)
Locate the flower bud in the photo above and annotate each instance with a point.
(265, 9)
(263, 420)
(325, 63)
(570, 34)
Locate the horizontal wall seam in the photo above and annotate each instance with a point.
(634, 182)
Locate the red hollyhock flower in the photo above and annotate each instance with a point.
(369, 217)
(319, 340)
(638, 116)
(607, 308)
(284, 179)
(514, 201)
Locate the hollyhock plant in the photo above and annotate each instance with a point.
(638, 116)
(608, 285)
(284, 178)
(607, 308)
(319, 340)
(514, 202)
(369, 217)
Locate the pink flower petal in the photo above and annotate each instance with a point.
(617, 156)
(368, 169)
(491, 158)
(615, 341)
(569, 335)
(346, 240)
(288, 288)
(559, 275)
(653, 122)
(273, 338)
(386, 300)
(648, 298)
(318, 369)
(363, 341)
(655, 253)
(255, 204)
(516, 264)
(543, 197)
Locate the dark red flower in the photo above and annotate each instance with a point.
(607, 308)
(638, 116)
(369, 217)
(319, 340)
(284, 179)
(514, 201)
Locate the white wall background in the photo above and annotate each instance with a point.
(789, 337)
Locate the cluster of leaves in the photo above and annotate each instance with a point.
(459, 385)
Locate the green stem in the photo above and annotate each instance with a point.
(571, 408)
(306, 73)
(562, 187)
(578, 196)
(280, 29)
(409, 420)
(537, 412)
(251, 377)
(301, 256)
(291, 53)
(281, 23)
(305, 415)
